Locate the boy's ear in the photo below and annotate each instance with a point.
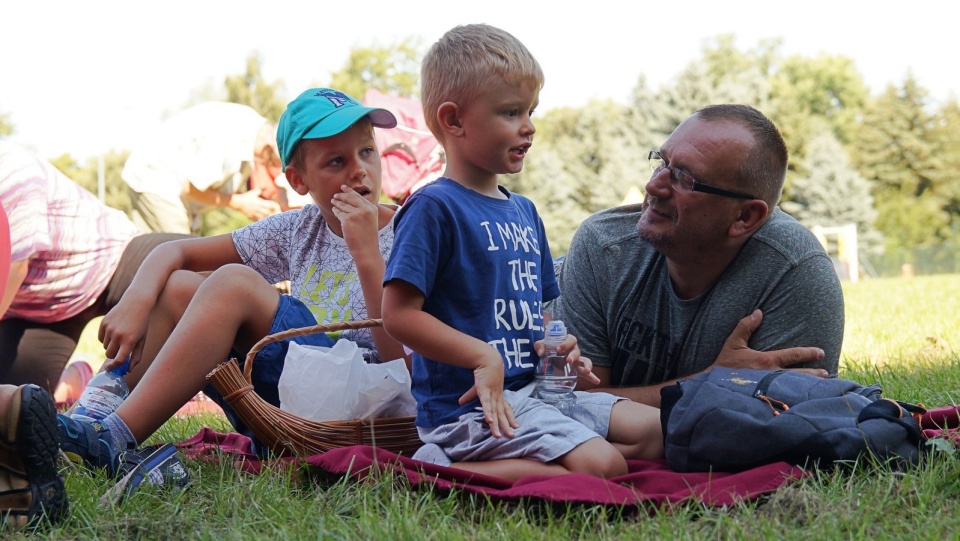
(295, 179)
(448, 115)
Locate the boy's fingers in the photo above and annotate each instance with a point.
(493, 422)
(468, 396)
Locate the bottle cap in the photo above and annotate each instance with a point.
(123, 368)
(555, 330)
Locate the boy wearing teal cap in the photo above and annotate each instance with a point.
(196, 302)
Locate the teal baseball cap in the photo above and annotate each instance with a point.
(323, 112)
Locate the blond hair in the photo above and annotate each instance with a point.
(458, 65)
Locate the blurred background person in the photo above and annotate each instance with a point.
(71, 258)
(214, 154)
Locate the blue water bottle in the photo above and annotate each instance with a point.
(104, 393)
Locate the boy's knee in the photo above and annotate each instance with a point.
(596, 457)
(180, 288)
(632, 423)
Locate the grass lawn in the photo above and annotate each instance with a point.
(903, 333)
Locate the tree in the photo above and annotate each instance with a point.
(87, 176)
(833, 193)
(808, 93)
(393, 69)
(946, 134)
(723, 75)
(896, 149)
(250, 88)
(551, 187)
(583, 160)
(826, 87)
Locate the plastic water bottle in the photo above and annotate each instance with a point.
(555, 377)
(104, 393)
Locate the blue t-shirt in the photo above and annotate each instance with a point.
(484, 268)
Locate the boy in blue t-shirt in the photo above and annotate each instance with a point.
(468, 276)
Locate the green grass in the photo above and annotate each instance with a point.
(902, 333)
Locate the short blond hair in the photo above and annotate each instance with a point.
(458, 65)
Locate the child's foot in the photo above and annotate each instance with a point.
(31, 487)
(157, 465)
(88, 442)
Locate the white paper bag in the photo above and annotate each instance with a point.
(335, 384)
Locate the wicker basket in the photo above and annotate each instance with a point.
(286, 433)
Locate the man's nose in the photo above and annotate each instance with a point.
(659, 184)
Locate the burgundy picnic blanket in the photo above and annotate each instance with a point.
(648, 483)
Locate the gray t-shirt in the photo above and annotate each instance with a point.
(617, 299)
(299, 246)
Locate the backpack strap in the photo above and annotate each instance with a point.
(901, 413)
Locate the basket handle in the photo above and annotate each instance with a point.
(302, 331)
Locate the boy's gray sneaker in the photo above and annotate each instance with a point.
(158, 465)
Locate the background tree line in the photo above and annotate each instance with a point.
(889, 162)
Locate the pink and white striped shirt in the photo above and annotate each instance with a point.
(72, 241)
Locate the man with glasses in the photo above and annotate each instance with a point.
(653, 291)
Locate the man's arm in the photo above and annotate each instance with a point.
(249, 203)
(735, 354)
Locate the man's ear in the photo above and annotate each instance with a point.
(448, 115)
(752, 215)
(295, 179)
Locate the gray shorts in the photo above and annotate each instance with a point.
(545, 434)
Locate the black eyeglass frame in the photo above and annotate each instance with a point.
(696, 185)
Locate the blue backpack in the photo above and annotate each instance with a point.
(736, 419)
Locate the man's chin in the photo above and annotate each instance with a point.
(658, 239)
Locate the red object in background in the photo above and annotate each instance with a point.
(411, 154)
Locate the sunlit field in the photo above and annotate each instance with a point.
(902, 321)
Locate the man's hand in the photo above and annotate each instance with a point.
(581, 365)
(736, 353)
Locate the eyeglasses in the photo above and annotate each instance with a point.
(684, 182)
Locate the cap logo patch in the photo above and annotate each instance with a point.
(338, 99)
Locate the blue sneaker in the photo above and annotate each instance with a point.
(158, 466)
(88, 442)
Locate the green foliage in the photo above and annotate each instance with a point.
(217, 221)
(392, 69)
(585, 161)
(897, 149)
(249, 88)
(826, 87)
(116, 194)
(723, 75)
(946, 133)
(832, 193)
